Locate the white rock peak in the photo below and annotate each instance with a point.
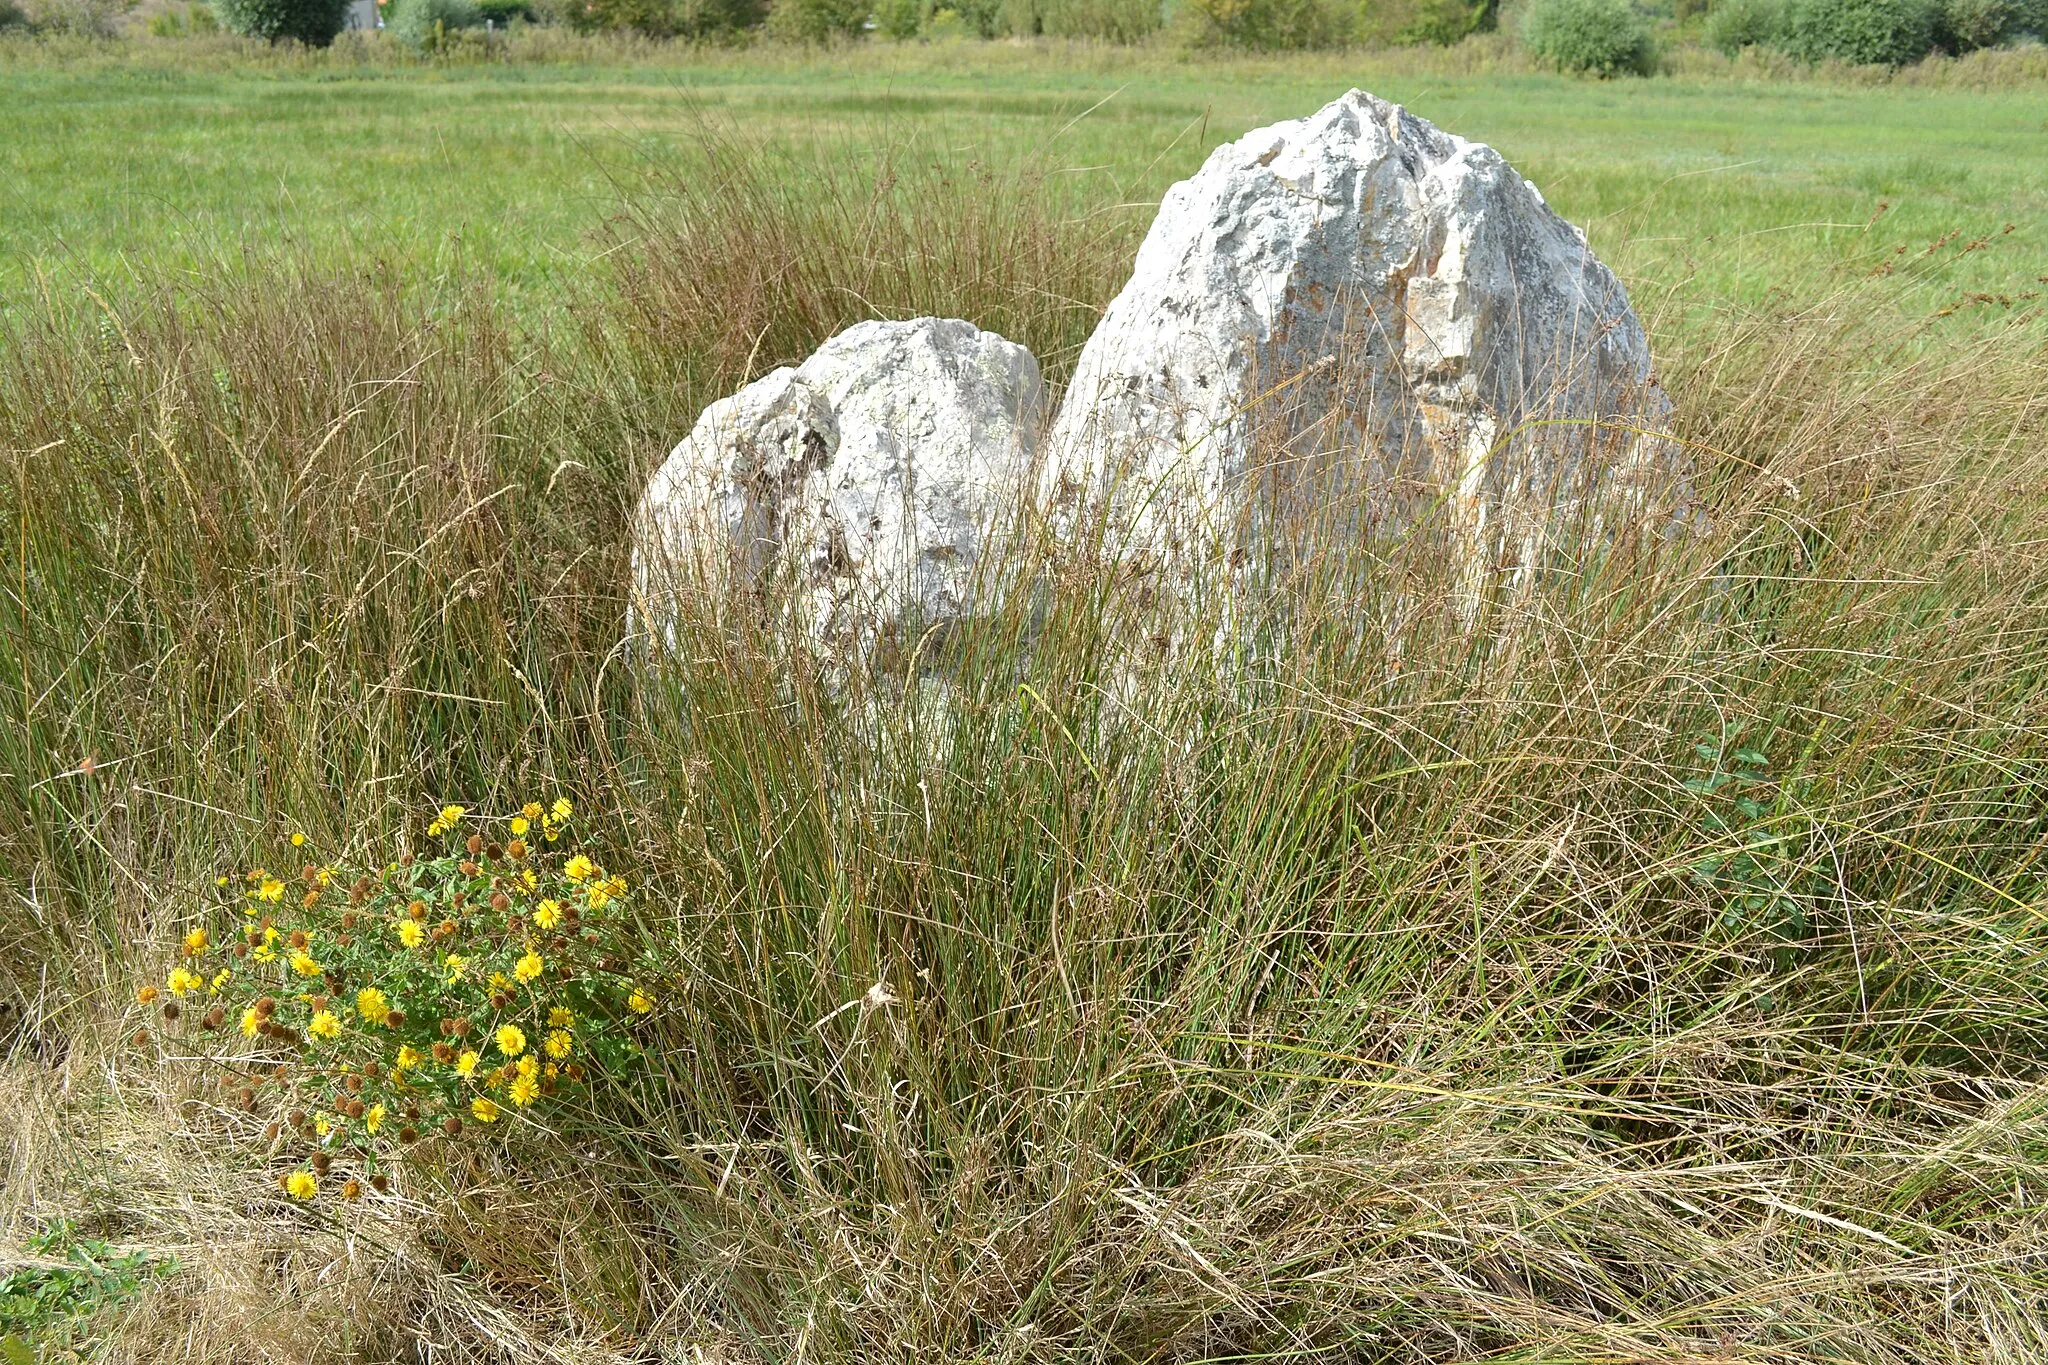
(1359, 308)
(861, 483)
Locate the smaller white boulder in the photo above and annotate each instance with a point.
(856, 489)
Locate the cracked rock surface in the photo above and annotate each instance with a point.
(863, 481)
(1359, 309)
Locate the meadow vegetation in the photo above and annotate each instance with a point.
(1648, 968)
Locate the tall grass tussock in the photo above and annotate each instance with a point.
(1647, 968)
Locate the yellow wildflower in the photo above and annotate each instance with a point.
(558, 1017)
(302, 1185)
(323, 1024)
(373, 1005)
(304, 965)
(529, 967)
(600, 894)
(511, 1039)
(373, 1119)
(563, 810)
(195, 942)
(298, 839)
(548, 914)
(519, 825)
(272, 890)
(455, 962)
(181, 981)
(529, 879)
(147, 995)
(640, 1001)
(251, 1021)
(449, 817)
(485, 1110)
(265, 954)
(499, 983)
(531, 810)
(578, 868)
(220, 978)
(524, 1089)
(410, 933)
(408, 1057)
(323, 1124)
(560, 1044)
(528, 1065)
(466, 1064)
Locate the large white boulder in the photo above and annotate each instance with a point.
(858, 486)
(1359, 310)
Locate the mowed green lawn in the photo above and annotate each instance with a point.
(1709, 192)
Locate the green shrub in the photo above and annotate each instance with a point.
(813, 21)
(1445, 22)
(1966, 25)
(312, 22)
(505, 12)
(663, 18)
(422, 25)
(1600, 37)
(1866, 32)
(12, 16)
(1118, 21)
(899, 18)
(172, 23)
(1733, 25)
(1262, 24)
(78, 18)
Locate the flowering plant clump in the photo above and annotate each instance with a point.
(444, 998)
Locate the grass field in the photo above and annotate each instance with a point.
(1717, 189)
(1648, 968)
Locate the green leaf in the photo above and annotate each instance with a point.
(15, 1351)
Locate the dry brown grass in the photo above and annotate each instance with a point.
(1373, 1001)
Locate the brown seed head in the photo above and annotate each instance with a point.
(351, 1190)
(452, 1126)
(322, 1162)
(516, 850)
(418, 910)
(380, 1182)
(499, 900)
(408, 1135)
(474, 843)
(171, 1010)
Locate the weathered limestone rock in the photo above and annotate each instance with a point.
(862, 482)
(1358, 309)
